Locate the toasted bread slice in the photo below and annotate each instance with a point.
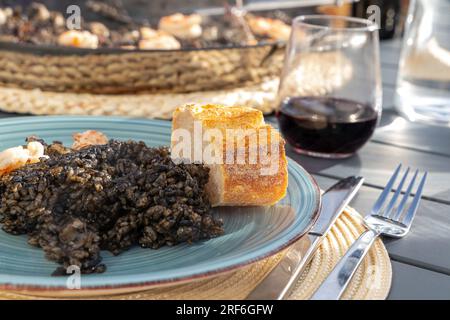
(246, 157)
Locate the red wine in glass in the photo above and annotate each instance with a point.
(326, 126)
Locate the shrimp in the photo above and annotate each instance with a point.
(182, 26)
(273, 28)
(79, 39)
(88, 138)
(14, 158)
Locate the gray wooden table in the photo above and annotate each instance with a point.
(421, 260)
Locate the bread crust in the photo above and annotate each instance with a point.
(244, 181)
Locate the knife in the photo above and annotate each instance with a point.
(281, 280)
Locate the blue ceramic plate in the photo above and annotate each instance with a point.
(251, 234)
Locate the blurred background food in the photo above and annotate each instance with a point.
(130, 55)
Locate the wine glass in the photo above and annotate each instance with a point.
(330, 89)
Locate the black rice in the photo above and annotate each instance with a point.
(106, 197)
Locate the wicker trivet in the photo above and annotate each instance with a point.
(161, 106)
(371, 281)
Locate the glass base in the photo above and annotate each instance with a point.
(423, 104)
(323, 155)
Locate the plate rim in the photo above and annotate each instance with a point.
(179, 279)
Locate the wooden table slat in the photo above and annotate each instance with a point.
(388, 97)
(389, 77)
(390, 52)
(412, 283)
(376, 163)
(427, 244)
(397, 131)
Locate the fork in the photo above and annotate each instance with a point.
(387, 220)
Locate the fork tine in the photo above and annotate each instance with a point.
(382, 198)
(409, 216)
(390, 208)
(405, 198)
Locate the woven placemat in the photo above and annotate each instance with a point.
(159, 106)
(371, 281)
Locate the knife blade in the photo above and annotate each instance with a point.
(279, 283)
